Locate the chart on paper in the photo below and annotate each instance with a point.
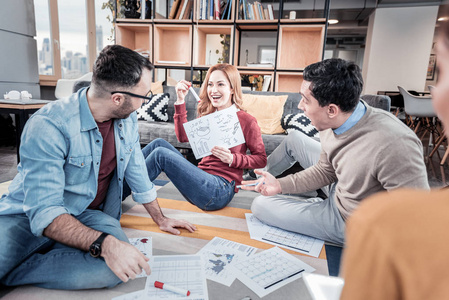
(283, 238)
(267, 271)
(289, 239)
(182, 271)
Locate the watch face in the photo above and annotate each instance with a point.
(95, 250)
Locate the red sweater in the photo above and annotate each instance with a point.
(241, 160)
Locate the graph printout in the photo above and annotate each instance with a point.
(182, 271)
(283, 238)
(219, 254)
(266, 271)
(221, 128)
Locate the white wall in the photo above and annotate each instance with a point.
(398, 46)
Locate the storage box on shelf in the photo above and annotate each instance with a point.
(294, 43)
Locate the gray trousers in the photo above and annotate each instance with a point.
(312, 216)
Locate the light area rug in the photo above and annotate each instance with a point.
(228, 223)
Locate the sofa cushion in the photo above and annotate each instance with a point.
(155, 110)
(267, 110)
(299, 122)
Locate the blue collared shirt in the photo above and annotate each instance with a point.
(358, 113)
(60, 154)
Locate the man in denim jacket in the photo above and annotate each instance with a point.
(80, 156)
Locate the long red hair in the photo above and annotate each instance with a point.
(205, 107)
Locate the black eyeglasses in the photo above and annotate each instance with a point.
(146, 98)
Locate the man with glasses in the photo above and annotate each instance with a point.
(80, 157)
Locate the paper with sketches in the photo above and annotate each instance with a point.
(219, 254)
(145, 245)
(283, 238)
(221, 128)
(183, 271)
(269, 270)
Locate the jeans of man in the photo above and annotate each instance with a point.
(40, 261)
(208, 192)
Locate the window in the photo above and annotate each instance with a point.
(65, 47)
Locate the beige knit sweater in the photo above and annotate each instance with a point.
(378, 153)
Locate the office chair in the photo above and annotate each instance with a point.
(420, 115)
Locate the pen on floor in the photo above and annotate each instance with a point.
(174, 289)
(251, 184)
(194, 94)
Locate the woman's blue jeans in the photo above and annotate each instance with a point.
(208, 192)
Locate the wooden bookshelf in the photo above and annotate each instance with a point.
(183, 44)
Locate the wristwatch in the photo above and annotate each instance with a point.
(95, 248)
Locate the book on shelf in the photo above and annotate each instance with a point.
(178, 12)
(216, 9)
(266, 83)
(229, 9)
(143, 8)
(211, 10)
(182, 9)
(224, 10)
(270, 11)
(174, 9)
(265, 14)
(188, 10)
(256, 10)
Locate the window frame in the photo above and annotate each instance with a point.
(51, 80)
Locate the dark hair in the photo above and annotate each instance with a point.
(335, 81)
(118, 66)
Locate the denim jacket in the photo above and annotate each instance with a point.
(60, 156)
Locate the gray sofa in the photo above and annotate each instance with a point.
(166, 130)
(150, 131)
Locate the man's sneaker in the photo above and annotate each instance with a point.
(250, 175)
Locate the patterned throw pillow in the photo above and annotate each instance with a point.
(155, 110)
(299, 122)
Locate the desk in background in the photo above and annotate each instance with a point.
(21, 110)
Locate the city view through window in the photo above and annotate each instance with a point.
(73, 36)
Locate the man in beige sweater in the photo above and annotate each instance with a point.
(397, 243)
(363, 151)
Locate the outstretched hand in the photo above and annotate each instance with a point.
(267, 184)
(125, 260)
(170, 225)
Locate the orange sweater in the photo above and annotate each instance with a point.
(398, 247)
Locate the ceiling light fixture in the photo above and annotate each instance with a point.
(332, 21)
(443, 19)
